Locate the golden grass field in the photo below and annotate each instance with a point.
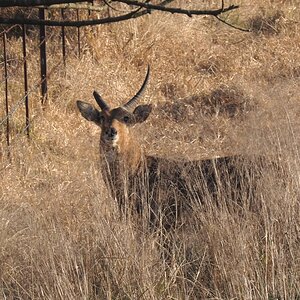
(216, 91)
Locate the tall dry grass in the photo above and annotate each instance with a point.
(216, 91)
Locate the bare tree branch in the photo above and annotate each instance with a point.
(143, 12)
(131, 15)
(113, 8)
(27, 3)
(174, 10)
(148, 7)
(70, 23)
(92, 7)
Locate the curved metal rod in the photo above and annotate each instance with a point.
(138, 95)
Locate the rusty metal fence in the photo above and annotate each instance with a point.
(10, 104)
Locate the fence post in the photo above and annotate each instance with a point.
(78, 34)
(92, 2)
(27, 124)
(43, 57)
(6, 95)
(63, 39)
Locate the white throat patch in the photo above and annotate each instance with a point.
(115, 141)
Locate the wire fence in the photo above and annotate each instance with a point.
(29, 88)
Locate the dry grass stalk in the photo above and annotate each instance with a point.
(61, 236)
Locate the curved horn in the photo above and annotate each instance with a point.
(100, 101)
(138, 95)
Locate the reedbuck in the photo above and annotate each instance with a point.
(158, 187)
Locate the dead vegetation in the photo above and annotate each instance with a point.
(222, 102)
(216, 91)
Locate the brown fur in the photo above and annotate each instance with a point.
(162, 188)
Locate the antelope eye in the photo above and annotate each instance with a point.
(126, 119)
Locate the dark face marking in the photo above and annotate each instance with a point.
(114, 123)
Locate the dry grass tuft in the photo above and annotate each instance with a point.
(267, 25)
(222, 102)
(216, 91)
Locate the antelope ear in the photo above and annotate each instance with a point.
(89, 112)
(142, 112)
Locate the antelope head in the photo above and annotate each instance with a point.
(116, 123)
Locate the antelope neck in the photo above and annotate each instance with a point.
(128, 156)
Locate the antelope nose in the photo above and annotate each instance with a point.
(111, 132)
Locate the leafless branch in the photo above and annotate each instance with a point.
(143, 8)
(133, 14)
(27, 3)
(92, 7)
(113, 8)
(143, 12)
(175, 10)
(70, 23)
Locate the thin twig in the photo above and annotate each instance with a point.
(176, 10)
(231, 25)
(113, 8)
(141, 13)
